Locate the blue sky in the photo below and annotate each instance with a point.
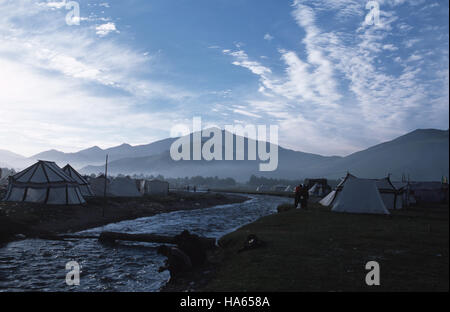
(133, 69)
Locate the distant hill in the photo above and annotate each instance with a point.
(162, 163)
(10, 160)
(421, 154)
(96, 156)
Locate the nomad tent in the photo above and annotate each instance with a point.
(316, 190)
(123, 187)
(82, 182)
(327, 200)
(155, 187)
(356, 195)
(116, 187)
(46, 183)
(262, 188)
(98, 185)
(392, 197)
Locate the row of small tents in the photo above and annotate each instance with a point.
(45, 182)
(356, 195)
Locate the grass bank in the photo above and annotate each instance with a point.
(318, 250)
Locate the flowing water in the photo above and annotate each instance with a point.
(40, 265)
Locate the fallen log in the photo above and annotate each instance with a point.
(62, 237)
(207, 243)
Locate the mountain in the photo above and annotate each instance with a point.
(421, 154)
(10, 160)
(96, 156)
(290, 163)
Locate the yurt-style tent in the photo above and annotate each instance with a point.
(44, 182)
(82, 182)
(354, 195)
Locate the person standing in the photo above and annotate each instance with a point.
(297, 191)
(304, 196)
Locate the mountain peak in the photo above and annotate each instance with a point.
(94, 148)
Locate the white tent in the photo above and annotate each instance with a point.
(123, 187)
(328, 200)
(156, 187)
(262, 188)
(356, 195)
(316, 190)
(82, 182)
(44, 182)
(98, 185)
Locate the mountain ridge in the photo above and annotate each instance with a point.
(422, 153)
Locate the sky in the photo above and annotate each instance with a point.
(332, 80)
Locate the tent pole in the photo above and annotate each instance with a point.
(106, 181)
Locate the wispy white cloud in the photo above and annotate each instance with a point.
(268, 37)
(105, 29)
(341, 83)
(68, 89)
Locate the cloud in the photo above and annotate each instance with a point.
(246, 113)
(390, 47)
(414, 57)
(410, 42)
(105, 29)
(69, 90)
(268, 37)
(338, 82)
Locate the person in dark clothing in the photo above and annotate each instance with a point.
(177, 261)
(192, 246)
(298, 189)
(304, 195)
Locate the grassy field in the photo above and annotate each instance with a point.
(318, 250)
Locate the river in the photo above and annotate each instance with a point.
(40, 265)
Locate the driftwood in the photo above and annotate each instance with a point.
(208, 243)
(61, 237)
(111, 237)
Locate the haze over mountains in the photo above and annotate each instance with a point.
(421, 154)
